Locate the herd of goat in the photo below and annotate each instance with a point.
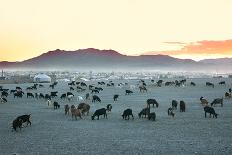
(83, 108)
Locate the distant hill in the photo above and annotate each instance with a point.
(95, 59)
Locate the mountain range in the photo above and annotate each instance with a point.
(95, 59)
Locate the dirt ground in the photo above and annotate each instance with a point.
(52, 132)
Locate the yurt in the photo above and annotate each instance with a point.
(42, 78)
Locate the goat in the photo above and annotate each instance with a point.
(99, 112)
(211, 111)
(127, 113)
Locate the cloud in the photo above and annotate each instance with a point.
(173, 42)
(200, 49)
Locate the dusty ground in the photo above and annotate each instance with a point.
(54, 133)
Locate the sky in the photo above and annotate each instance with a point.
(195, 29)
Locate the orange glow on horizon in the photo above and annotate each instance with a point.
(192, 29)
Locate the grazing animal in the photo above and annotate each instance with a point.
(209, 84)
(76, 113)
(203, 101)
(144, 112)
(4, 94)
(127, 113)
(153, 102)
(192, 84)
(3, 100)
(84, 108)
(95, 91)
(171, 112)
(18, 94)
(30, 95)
(80, 98)
(222, 83)
(71, 88)
(49, 102)
(25, 119)
(174, 104)
(96, 98)
(17, 123)
(87, 96)
(152, 116)
(56, 105)
(159, 83)
(72, 109)
(142, 89)
(128, 92)
(217, 101)
(63, 96)
(41, 95)
(70, 97)
(66, 109)
(182, 106)
(116, 97)
(99, 112)
(109, 107)
(228, 95)
(47, 97)
(211, 111)
(69, 93)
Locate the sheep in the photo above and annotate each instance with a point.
(56, 105)
(217, 101)
(210, 110)
(152, 116)
(171, 112)
(126, 114)
(70, 97)
(115, 97)
(203, 101)
(84, 108)
(144, 112)
(99, 112)
(49, 102)
(96, 98)
(80, 98)
(182, 106)
(109, 107)
(174, 104)
(153, 102)
(66, 109)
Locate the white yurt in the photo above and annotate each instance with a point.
(42, 78)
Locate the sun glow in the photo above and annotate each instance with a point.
(132, 27)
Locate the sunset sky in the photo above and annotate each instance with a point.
(195, 29)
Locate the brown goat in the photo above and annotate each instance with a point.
(84, 108)
(203, 101)
(66, 109)
(76, 113)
